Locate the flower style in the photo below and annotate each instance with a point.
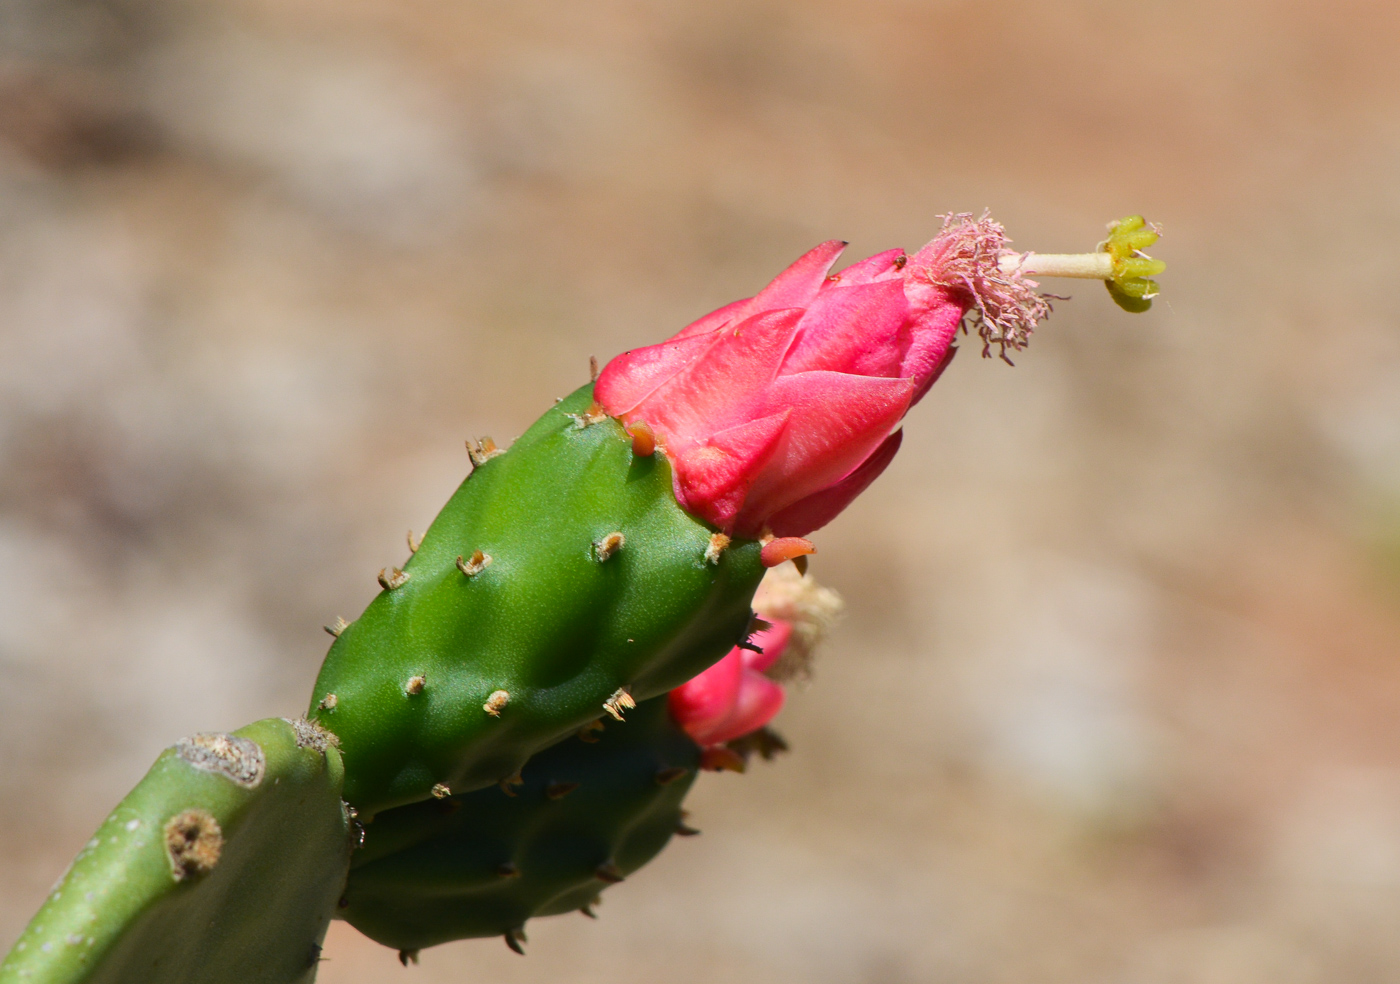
(733, 697)
(777, 411)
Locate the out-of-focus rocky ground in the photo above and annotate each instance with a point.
(1118, 696)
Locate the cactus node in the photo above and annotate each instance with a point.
(494, 703)
(239, 759)
(479, 562)
(593, 414)
(337, 627)
(619, 702)
(609, 872)
(718, 544)
(392, 577)
(414, 544)
(415, 685)
(719, 758)
(609, 545)
(441, 791)
(193, 841)
(558, 790)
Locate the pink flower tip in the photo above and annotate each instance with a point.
(733, 697)
(777, 411)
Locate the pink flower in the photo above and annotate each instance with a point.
(777, 411)
(733, 697)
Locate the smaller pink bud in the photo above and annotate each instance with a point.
(733, 697)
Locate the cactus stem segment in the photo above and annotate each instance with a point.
(414, 544)
(193, 841)
(328, 702)
(609, 545)
(337, 627)
(595, 414)
(643, 438)
(718, 544)
(619, 702)
(441, 791)
(609, 872)
(391, 578)
(494, 703)
(482, 450)
(589, 732)
(664, 777)
(478, 563)
(408, 956)
(415, 685)
(784, 548)
(558, 790)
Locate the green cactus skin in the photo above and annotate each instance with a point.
(222, 866)
(483, 863)
(546, 621)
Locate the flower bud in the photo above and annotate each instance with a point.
(777, 411)
(733, 697)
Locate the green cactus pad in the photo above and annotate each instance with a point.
(584, 816)
(561, 574)
(222, 866)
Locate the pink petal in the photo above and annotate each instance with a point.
(704, 701)
(797, 286)
(852, 329)
(772, 641)
(820, 508)
(758, 702)
(717, 318)
(837, 422)
(935, 316)
(880, 266)
(717, 390)
(634, 375)
(712, 479)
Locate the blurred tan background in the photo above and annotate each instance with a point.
(1118, 697)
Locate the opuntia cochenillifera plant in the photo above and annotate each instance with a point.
(606, 559)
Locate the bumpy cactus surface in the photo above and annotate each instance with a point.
(587, 812)
(562, 580)
(223, 866)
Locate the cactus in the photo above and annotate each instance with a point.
(607, 558)
(224, 864)
(562, 580)
(584, 814)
